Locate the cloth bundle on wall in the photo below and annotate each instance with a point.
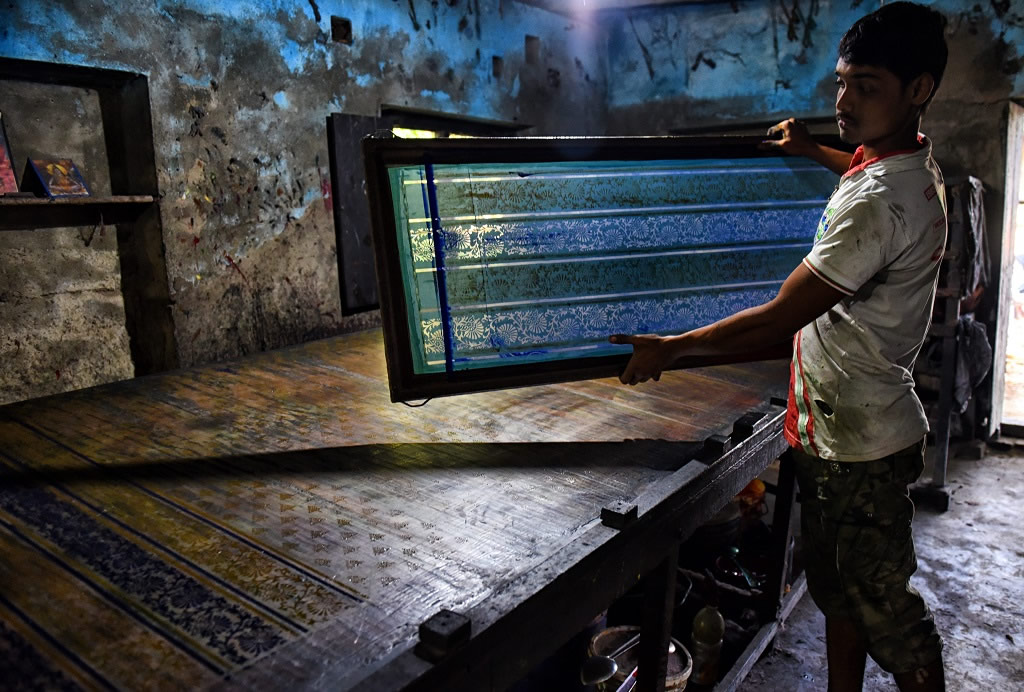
(973, 360)
(966, 206)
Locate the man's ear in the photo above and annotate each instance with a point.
(921, 88)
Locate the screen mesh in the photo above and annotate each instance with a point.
(512, 263)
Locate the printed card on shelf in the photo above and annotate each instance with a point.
(54, 178)
(8, 180)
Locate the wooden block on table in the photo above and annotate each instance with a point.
(619, 514)
(714, 447)
(746, 424)
(442, 633)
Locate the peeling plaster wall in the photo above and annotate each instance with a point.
(240, 93)
(693, 65)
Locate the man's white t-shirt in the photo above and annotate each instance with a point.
(879, 242)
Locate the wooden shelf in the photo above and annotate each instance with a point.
(24, 213)
(127, 125)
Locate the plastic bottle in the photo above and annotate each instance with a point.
(706, 639)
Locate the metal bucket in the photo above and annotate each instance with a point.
(680, 663)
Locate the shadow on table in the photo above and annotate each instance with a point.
(657, 454)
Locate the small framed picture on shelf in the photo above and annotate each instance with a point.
(8, 180)
(54, 177)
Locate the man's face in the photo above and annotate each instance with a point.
(871, 103)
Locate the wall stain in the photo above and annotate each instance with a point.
(1001, 7)
(706, 59)
(662, 34)
(796, 17)
(197, 114)
(775, 38)
(702, 59)
(316, 10)
(325, 187)
(643, 49)
(412, 16)
(234, 265)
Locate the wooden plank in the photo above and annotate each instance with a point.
(764, 638)
(56, 73)
(73, 201)
(659, 598)
(356, 276)
(559, 598)
(21, 213)
(128, 133)
(334, 392)
(782, 533)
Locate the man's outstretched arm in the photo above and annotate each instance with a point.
(802, 298)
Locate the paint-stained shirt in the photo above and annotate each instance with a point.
(879, 242)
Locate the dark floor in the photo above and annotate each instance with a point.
(971, 574)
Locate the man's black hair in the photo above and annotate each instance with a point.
(903, 37)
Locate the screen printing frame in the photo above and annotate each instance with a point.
(382, 152)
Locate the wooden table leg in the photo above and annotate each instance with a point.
(782, 534)
(656, 626)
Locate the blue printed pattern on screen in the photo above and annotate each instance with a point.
(542, 261)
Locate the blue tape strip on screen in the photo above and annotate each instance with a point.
(439, 264)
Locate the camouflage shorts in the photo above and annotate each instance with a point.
(859, 553)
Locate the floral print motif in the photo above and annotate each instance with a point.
(537, 332)
(22, 664)
(225, 628)
(493, 242)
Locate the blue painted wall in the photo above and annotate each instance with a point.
(691, 65)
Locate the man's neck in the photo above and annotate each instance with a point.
(904, 140)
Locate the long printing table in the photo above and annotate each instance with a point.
(276, 522)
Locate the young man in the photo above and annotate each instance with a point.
(857, 308)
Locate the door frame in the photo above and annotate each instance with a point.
(1014, 144)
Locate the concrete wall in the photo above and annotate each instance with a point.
(240, 94)
(692, 65)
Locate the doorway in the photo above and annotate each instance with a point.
(1013, 391)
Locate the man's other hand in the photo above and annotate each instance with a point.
(651, 355)
(795, 139)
